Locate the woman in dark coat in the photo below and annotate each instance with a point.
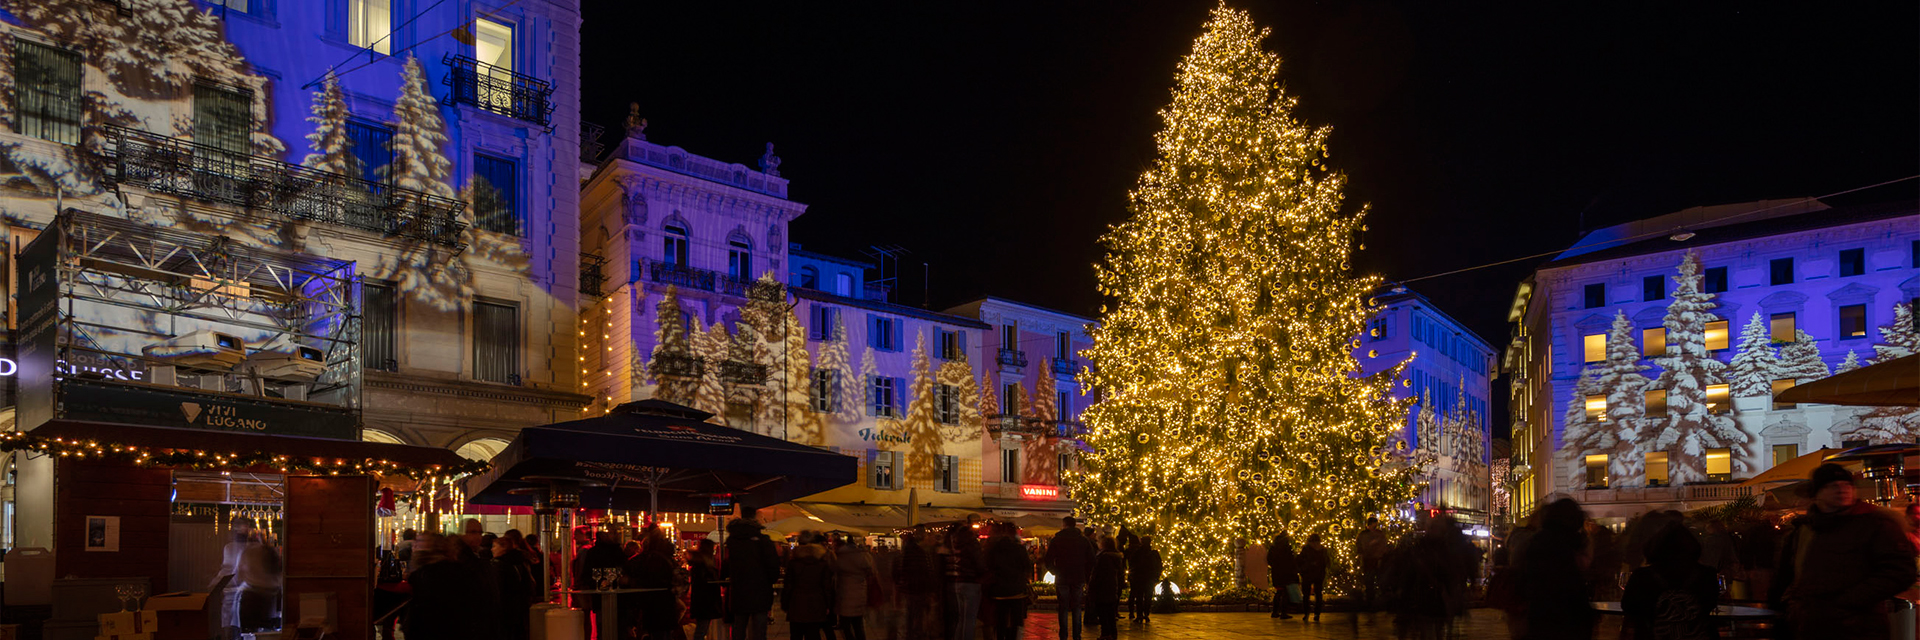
(808, 595)
(1552, 575)
(1104, 588)
(1282, 570)
(1009, 581)
(705, 605)
(1313, 576)
(1674, 595)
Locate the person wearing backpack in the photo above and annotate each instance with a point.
(1672, 598)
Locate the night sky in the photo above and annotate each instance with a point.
(996, 141)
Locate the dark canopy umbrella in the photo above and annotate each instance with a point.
(654, 450)
(1895, 383)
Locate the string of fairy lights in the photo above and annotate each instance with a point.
(1229, 410)
(185, 458)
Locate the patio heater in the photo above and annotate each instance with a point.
(1885, 466)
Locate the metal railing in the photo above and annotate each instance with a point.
(682, 276)
(677, 366)
(590, 147)
(738, 372)
(502, 91)
(1065, 366)
(1008, 422)
(1069, 429)
(1013, 357)
(592, 274)
(161, 164)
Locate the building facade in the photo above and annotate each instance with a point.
(410, 153)
(1032, 401)
(1448, 377)
(1645, 359)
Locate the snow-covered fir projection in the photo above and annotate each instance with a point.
(1690, 422)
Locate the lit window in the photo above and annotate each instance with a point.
(1716, 335)
(493, 44)
(1010, 464)
(496, 342)
(1778, 387)
(1653, 342)
(1853, 321)
(1717, 399)
(1719, 464)
(1782, 327)
(1597, 408)
(1597, 471)
(1657, 403)
(368, 22)
(1785, 452)
(1596, 347)
(1656, 468)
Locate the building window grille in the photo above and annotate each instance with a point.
(379, 326)
(496, 342)
(372, 147)
(46, 91)
(222, 117)
(496, 195)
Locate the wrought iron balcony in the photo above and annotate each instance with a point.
(498, 90)
(1069, 429)
(593, 274)
(738, 372)
(1065, 366)
(160, 164)
(1012, 423)
(1013, 357)
(682, 276)
(677, 366)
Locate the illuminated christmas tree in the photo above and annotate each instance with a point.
(1231, 404)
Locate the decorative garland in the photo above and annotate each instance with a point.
(195, 459)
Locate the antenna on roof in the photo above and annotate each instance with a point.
(887, 256)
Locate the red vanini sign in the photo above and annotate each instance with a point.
(1039, 492)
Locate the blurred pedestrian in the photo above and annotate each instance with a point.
(750, 569)
(1143, 573)
(704, 597)
(858, 588)
(1070, 556)
(519, 588)
(808, 595)
(917, 580)
(1551, 576)
(965, 566)
(1313, 577)
(1372, 546)
(1104, 588)
(1009, 576)
(445, 591)
(1840, 564)
(1284, 572)
(1672, 598)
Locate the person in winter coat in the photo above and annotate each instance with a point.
(854, 571)
(751, 567)
(1282, 570)
(1552, 583)
(886, 616)
(657, 610)
(1674, 595)
(1372, 546)
(917, 581)
(704, 605)
(965, 568)
(1070, 557)
(1009, 576)
(1313, 577)
(808, 595)
(445, 591)
(1104, 588)
(1840, 563)
(604, 553)
(519, 588)
(1143, 574)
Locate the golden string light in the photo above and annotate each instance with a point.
(1231, 406)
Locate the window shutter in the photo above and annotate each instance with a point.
(899, 397)
(896, 341)
(873, 331)
(873, 395)
(813, 323)
(960, 342)
(900, 467)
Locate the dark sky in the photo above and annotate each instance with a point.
(997, 140)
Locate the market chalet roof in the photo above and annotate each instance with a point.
(1705, 226)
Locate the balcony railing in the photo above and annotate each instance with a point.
(1013, 357)
(593, 274)
(1069, 429)
(677, 366)
(160, 164)
(501, 91)
(1065, 366)
(738, 372)
(682, 276)
(1691, 492)
(1010, 423)
(590, 147)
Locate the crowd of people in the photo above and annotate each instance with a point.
(1830, 572)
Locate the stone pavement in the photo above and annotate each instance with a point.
(1480, 624)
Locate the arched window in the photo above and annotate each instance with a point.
(376, 435)
(482, 449)
(674, 243)
(740, 256)
(809, 278)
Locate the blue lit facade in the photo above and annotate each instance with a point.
(1449, 380)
